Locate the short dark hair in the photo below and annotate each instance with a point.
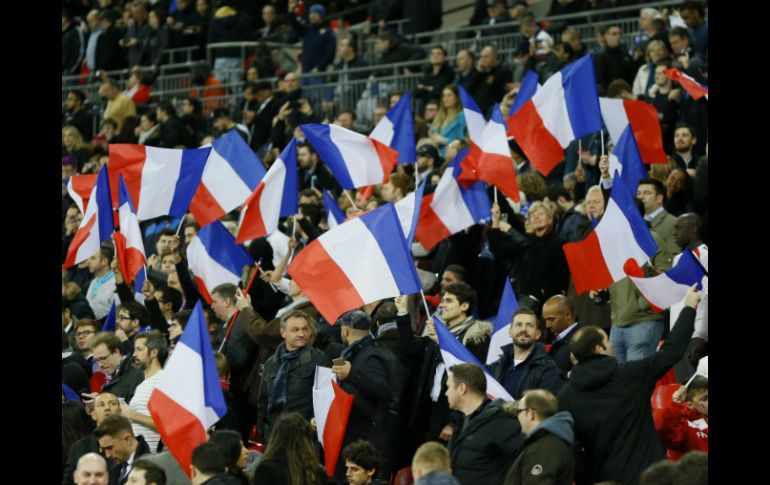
(114, 426)
(584, 342)
(297, 314)
(350, 112)
(386, 313)
(471, 375)
(209, 458)
(523, 310)
(363, 454)
(441, 48)
(696, 6)
(616, 87)
(79, 94)
(137, 311)
(464, 294)
(166, 231)
(553, 192)
(698, 384)
(309, 193)
(226, 291)
(107, 251)
(687, 127)
(182, 316)
(679, 32)
(663, 471)
(461, 272)
(109, 121)
(168, 108)
(660, 189)
(155, 341)
(152, 472)
(173, 296)
(111, 340)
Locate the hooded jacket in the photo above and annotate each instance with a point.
(547, 456)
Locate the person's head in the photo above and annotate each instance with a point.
(524, 329)
(588, 341)
(92, 19)
(297, 328)
(558, 313)
(145, 472)
(91, 470)
(684, 139)
(75, 100)
(687, 229)
(292, 436)
(495, 8)
(595, 202)
(361, 462)
(150, 350)
(428, 157)
(167, 263)
(457, 302)
(527, 25)
(692, 469)
(465, 60)
(558, 199)
(316, 14)
(163, 243)
(678, 181)
(679, 39)
(540, 217)
(466, 386)
(383, 42)
(292, 82)
(438, 56)
(619, 88)
(431, 457)
(535, 406)
(222, 120)
(656, 51)
(697, 396)
(105, 404)
(571, 36)
(661, 80)
(170, 299)
(131, 316)
(107, 351)
(692, 13)
(564, 51)
(109, 89)
(208, 460)
(85, 330)
(645, 18)
(190, 231)
(450, 98)
(662, 472)
(355, 325)
(172, 281)
(269, 14)
(99, 263)
(107, 17)
(223, 300)
(202, 7)
(347, 48)
(178, 323)
(156, 18)
(116, 438)
(236, 455)
(139, 12)
(612, 36)
(379, 113)
(652, 194)
(399, 184)
(488, 57)
(307, 157)
(191, 106)
(347, 119)
(147, 121)
(453, 273)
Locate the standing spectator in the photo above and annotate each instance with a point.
(449, 123)
(559, 317)
(645, 76)
(496, 14)
(173, 132)
(157, 40)
(109, 56)
(665, 98)
(694, 15)
(646, 30)
(393, 49)
(290, 456)
(186, 27)
(434, 77)
(94, 32)
(431, 465)
(101, 291)
(118, 441)
(275, 28)
(494, 80)
(229, 25)
(613, 62)
(136, 34)
(119, 106)
(345, 92)
(610, 403)
(72, 45)
(319, 44)
(267, 107)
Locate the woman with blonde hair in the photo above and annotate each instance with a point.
(72, 144)
(645, 76)
(449, 123)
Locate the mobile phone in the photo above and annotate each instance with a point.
(338, 361)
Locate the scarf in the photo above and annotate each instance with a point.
(278, 396)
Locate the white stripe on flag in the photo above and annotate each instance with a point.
(449, 205)
(615, 117)
(270, 203)
(552, 107)
(494, 388)
(617, 241)
(360, 157)
(223, 182)
(384, 131)
(161, 169)
(206, 268)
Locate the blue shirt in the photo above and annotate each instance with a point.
(91, 48)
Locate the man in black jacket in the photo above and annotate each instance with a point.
(122, 376)
(611, 403)
(494, 80)
(173, 132)
(435, 77)
(109, 55)
(288, 376)
(364, 374)
(72, 45)
(267, 106)
(525, 363)
(104, 405)
(559, 316)
(117, 440)
(613, 61)
(490, 438)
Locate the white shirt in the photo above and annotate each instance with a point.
(702, 312)
(139, 405)
(566, 331)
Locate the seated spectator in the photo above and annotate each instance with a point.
(118, 104)
(449, 123)
(361, 463)
(679, 192)
(393, 49)
(496, 78)
(73, 144)
(77, 114)
(148, 131)
(431, 465)
(435, 76)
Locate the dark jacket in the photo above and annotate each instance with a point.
(611, 407)
(399, 51)
(275, 471)
(319, 44)
(560, 351)
(539, 371)
(229, 28)
(467, 81)
(140, 33)
(125, 382)
(157, 41)
(263, 122)
(324, 180)
(444, 77)
(142, 448)
(109, 55)
(437, 478)
(83, 446)
(485, 447)
(299, 387)
(491, 87)
(547, 457)
(173, 132)
(613, 64)
(72, 50)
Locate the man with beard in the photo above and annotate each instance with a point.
(684, 145)
(559, 316)
(150, 352)
(525, 363)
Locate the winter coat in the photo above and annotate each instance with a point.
(540, 371)
(547, 457)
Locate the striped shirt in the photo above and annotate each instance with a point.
(138, 404)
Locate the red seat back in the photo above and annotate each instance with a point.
(404, 477)
(661, 400)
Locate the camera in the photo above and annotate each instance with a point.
(601, 297)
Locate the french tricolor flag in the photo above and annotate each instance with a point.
(408, 210)
(188, 399)
(564, 108)
(502, 322)
(474, 118)
(453, 353)
(161, 181)
(396, 130)
(231, 174)
(529, 86)
(668, 288)
(693, 87)
(97, 224)
(334, 215)
(598, 261)
(635, 132)
(331, 408)
(129, 247)
(109, 320)
(365, 259)
(214, 258)
(79, 188)
(451, 208)
(275, 197)
(138, 284)
(489, 158)
(354, 159)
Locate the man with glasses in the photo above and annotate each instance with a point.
(122, 377)
(130, 317)
(547, 455)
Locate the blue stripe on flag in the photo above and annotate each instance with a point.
(403, 129)
(332, 209)
(290, 198)
(508, 306)
(193, 163)
(104, 206)
(196, 337)
(220, 246)
(320, 137)
(582, 97)
(243, 160)
(526, 91)
(688, 270)
(628, 154)
(626, 203)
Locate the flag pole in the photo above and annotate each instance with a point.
(425, 303)
(495, 187)
(237, 312)
(293, 234)
(179, 228)
(351, 199)
(601, 137)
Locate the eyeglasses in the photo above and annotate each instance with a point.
(124, 317)
(102, 359)
(84, 333)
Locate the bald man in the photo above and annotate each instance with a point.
(559, 316)
(91, 470)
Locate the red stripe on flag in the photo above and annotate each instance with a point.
(388, 158)
(586, 263)
(128, 161)
(202, 290)
(632, 268)
(83, 185)
(430, 230)
(204, 207)
(334, 429)
(691, 86)
(643, 118)
(542, 149)
(469, 165)
(77, 240)
(495, 169)
(180, 430)
(252, 226)
(323, 282)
